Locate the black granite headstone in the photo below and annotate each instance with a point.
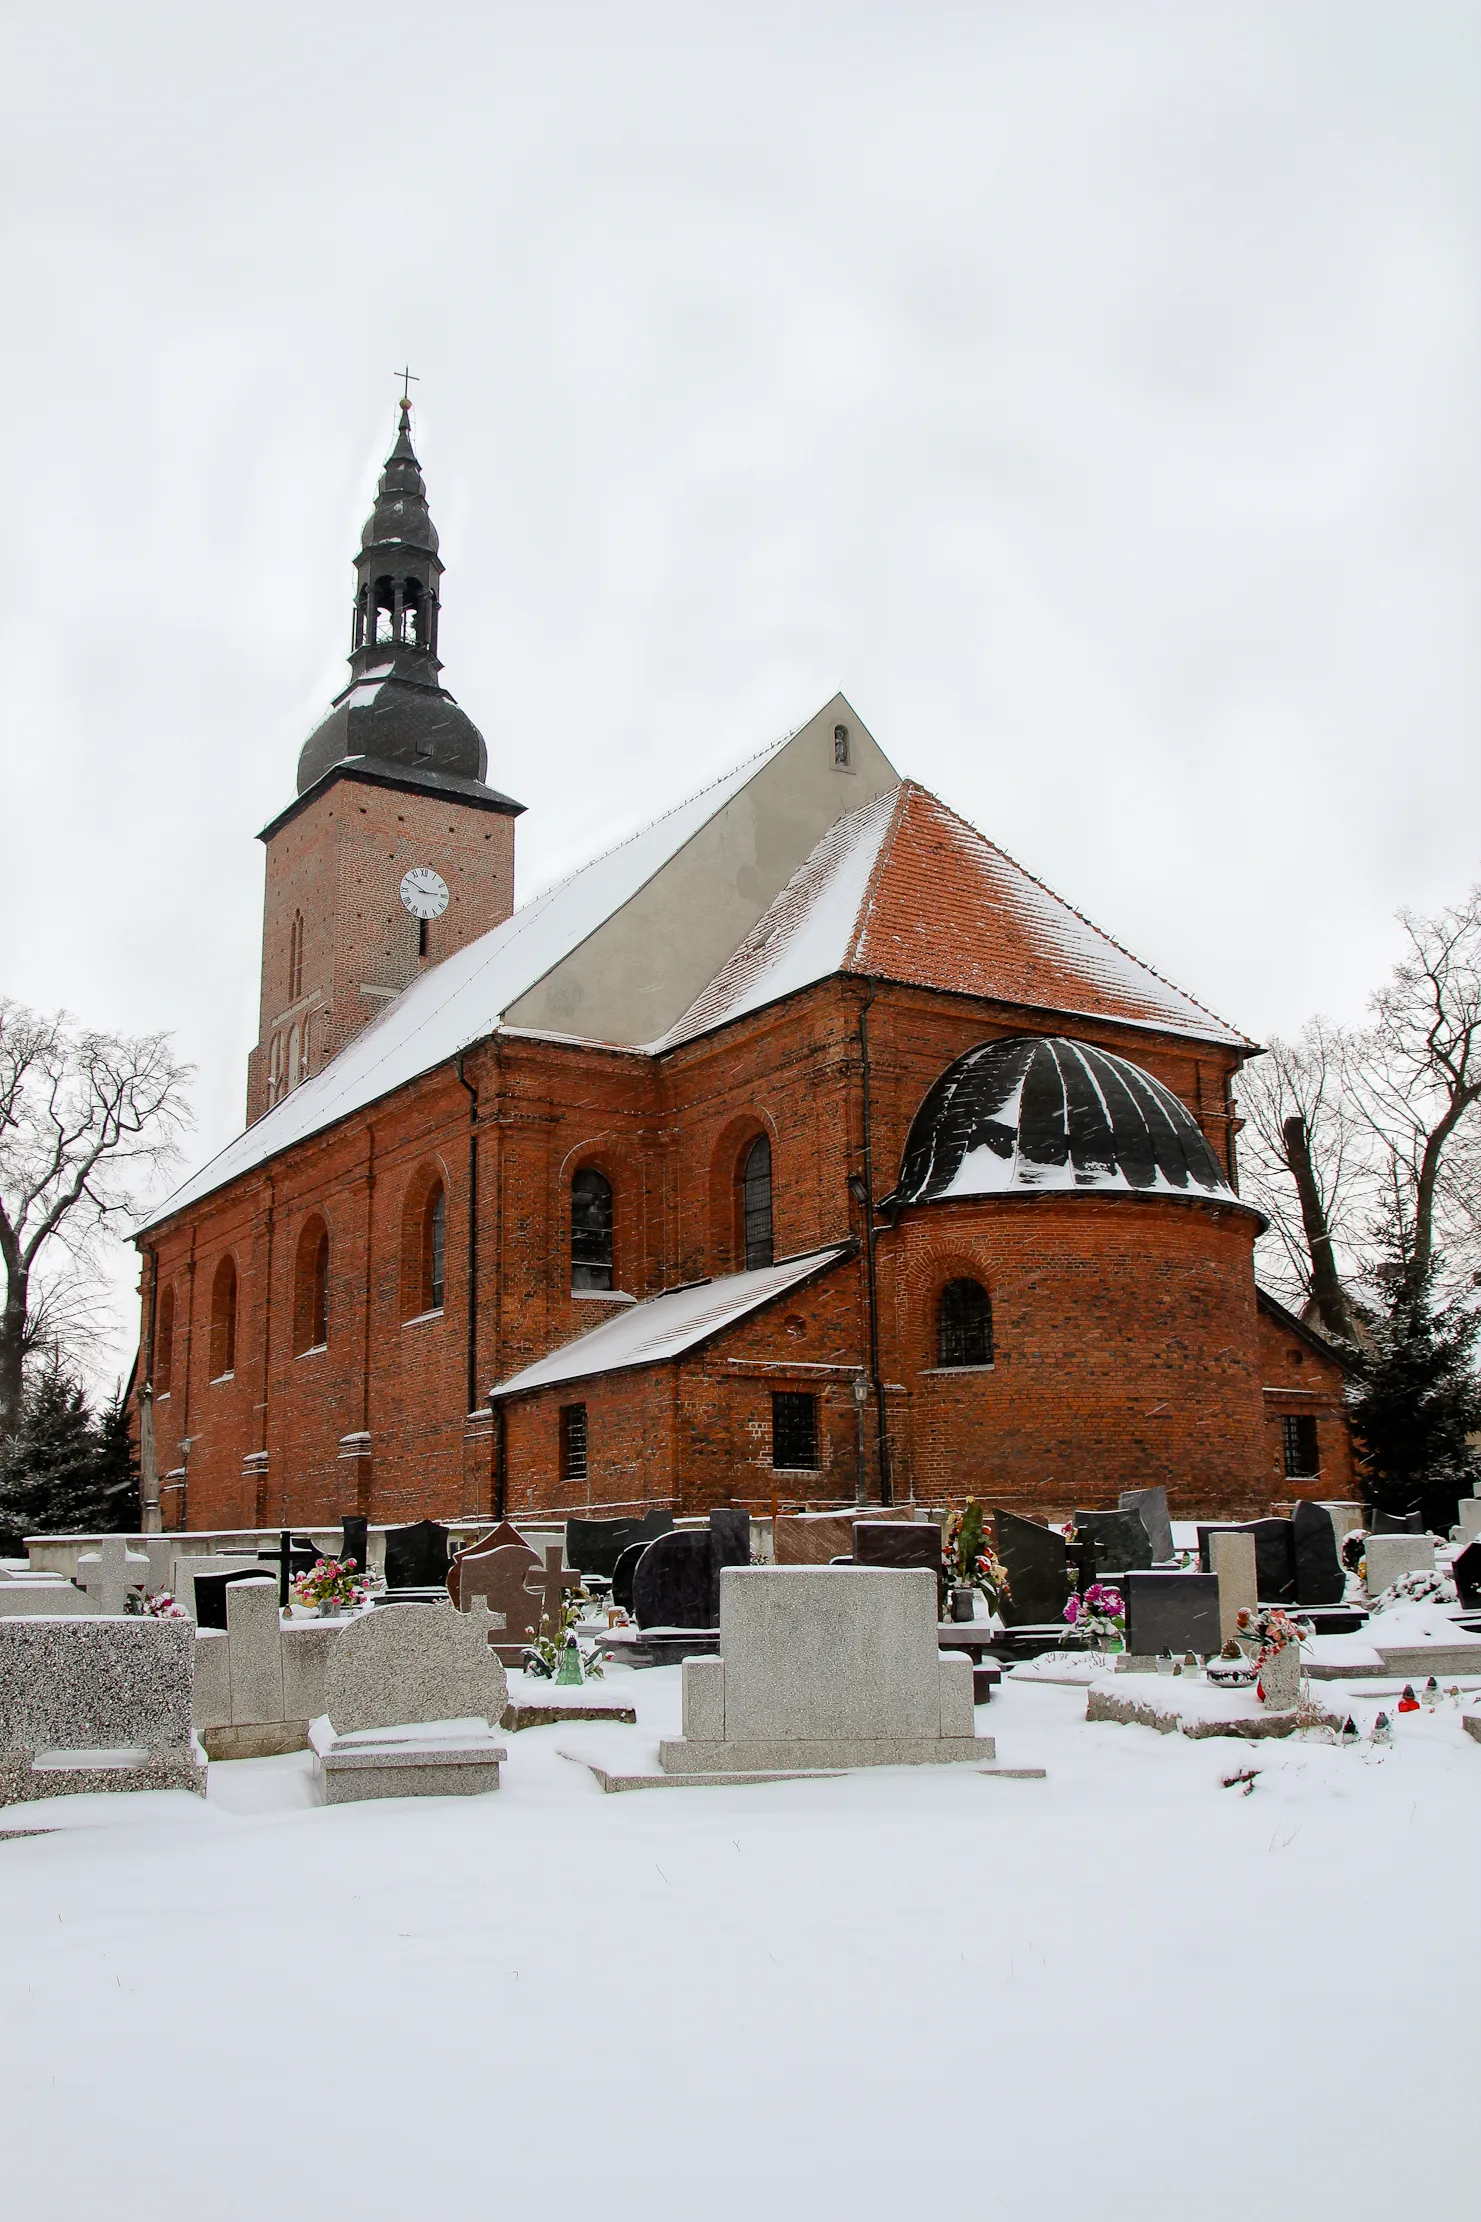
(355, 1540)
(1319, 1576)
(1171, 1612)
(732, 1534)
(1152, 1505)
(1111, 1543)
(623, 1573)
(1395, 1523)
(595, 1546)
(1467, 1572)
(210, 1594)
(1036, 1561)
(295, 1554)
(898, 1543)
(416, 1557)
(677, 1581)
(1275, 1561)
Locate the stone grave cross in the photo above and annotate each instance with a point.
(548, 1584)
(110, 1572)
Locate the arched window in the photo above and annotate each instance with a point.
(411, 613)
(964, 1325)
(591, 1229)
(164, 1342)
(385, 612)
(290, 1078)
(756, 1203)
(224, 1319)
(434, 1249)
(295, 957)
(311, 1289)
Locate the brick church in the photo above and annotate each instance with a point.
(800, 1148)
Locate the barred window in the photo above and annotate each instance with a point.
(794, 1429)
(591, 1229)
(573, 1442)
(1298, 1441)
(756, 1203)
(434, 1249)
(964, 1325)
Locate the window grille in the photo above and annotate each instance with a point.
(1298, 1441)
(591, 1229)
(794, 1429)
(756, 1203)
(436, 1249)
(573, 1442)
(964, 1325)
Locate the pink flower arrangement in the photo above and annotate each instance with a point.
(1099, 1611)
(331, 1581)
(1271, 1627)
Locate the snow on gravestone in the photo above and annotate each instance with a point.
(404, 1664)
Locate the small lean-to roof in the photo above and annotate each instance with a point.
(666, 1326)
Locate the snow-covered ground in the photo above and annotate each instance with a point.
(1124, 1991)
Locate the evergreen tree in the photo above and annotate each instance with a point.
(1419, 1402)
(61, 1473)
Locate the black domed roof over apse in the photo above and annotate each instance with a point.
(1037, 1113)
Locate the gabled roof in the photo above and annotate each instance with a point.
(905, 890)
(667, 1326)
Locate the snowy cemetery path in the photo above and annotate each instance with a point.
(1126, 1989)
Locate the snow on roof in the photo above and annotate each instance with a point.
(462, 999)
(666, 1326)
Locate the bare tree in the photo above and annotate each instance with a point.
(88, 1122)
(1416, 1082)
(1303, 1156)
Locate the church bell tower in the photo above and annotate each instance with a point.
(395, 851)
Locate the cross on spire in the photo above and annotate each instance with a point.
(408, 379)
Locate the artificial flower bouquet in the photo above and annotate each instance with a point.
(1270, 1628)
(1098, 1614)
(546, 1656)
(331, 1585)
(968, 1560)
(161, 1606)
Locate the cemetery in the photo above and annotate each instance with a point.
(1230, 1740)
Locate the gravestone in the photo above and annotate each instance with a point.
(1172, 1612)
(1389, 1556)
(731, 1531)
(1111, 1543)
(1275, 1561)
(98, 1703)
(354, 1541)
(1395, 1523)
(676, 1584)
(255, 1649)
(468, 1563)
(897, 1543)
(623, 1574)
(1468, 1520)
(816, 1538)
(1231, 1553)
(110, 1572)
(1036, 1560)
(1467, 1573)
(410, 1664)
(595, 1546)
(1319, 1576)
(416, 1556)
(209, 1593)
(295, 1554)
(825, 1667)
(1152, 1505)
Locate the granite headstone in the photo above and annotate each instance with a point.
(1467, 1572)
(898, 1543)
(470, 1562)
(677, 1582)
(1152, 1505)
(731, 1530)
(354, 1540)
(1171, 1612)
(1111, 1543)
(1036, 1560)
(623, 1573)
(1319, 1576)
(416, 1556)
(595, 1546)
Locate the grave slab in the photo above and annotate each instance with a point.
(1231, 1556)
(102, 1703)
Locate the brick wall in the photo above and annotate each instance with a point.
(1299, 1379)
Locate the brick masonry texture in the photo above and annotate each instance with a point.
(1127, 1345)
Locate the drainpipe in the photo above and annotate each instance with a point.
(501, 1460)
(886, 1486)
(149, 1514)
(472, 1399)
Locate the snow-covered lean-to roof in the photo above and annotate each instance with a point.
(898, 888)
(666, 1326)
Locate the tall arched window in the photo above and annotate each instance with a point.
(591, 1229)
(964, 1325)
(434, 1249)
(295, 957)
(311, 1288)
(756, 1203)
(224, 1319)
(164, 1342)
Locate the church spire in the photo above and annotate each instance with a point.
(397, 573)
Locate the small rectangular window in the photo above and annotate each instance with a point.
(1298, 1440)
(573, 1442)
(794, 1429)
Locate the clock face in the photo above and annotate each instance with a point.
(424, 892)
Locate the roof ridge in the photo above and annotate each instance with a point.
(1075, 912)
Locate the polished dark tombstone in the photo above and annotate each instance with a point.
(1275, 1561)
(731, 1531)
(1396, 1523)
(1319, 1576)
(354, 1541)
(1152, 1505)
(595, 1546)
(1111, 1543)
(905, 1543)
(1171, 1612)
(295, 1554)
(623, 1573)
(677, 1582)
(1036, 1560)
(210, 1594)
(416, 1557)
(1467, 1573)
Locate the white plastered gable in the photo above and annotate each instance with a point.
(638, 972)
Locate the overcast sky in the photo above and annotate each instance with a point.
(1090, 392)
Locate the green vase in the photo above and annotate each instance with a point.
(570, 1668)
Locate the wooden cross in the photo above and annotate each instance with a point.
(408, 378)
